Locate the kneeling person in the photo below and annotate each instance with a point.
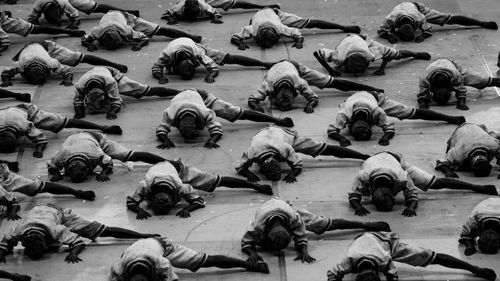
(273, 145)
(194, 110)
(167, 183)
(47, 223)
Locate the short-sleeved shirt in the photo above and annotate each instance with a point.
(487, 210)
(92, 147)
(279, 73)
(406, 177)
(361, 100)
(382, 249)
(182, 183)
(268, 18)
(281, 142)
(27, 119)
(48, 219)
(256, 234)
(63, 5)
(467, 138)
(161, 254)
(356, 44)
(107, 77)
(189, 101)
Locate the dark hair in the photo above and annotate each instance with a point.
(383, 199)
(9, 142)
(406, 33)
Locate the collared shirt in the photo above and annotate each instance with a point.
(205, 10)
(360, 100)
(189, 100)
(47, 218)
(64, 7)
(198, 53)
(34, 52)
(25, 119)
(388, 164)
(107, 77)
(164, 172)
(162, 255)
(465, 139)
(486, 210)
(118, 21)
(256, 235)
(356, 44)
(405, 9)
(267, 18)
(446, 67)
(88, 145)
(283, 71)
(276, 140)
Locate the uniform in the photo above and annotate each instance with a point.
(464, 140)
(418, 12)
(406, 177)
(27, 119)
(130, 27)
(361, 100)
(283, 23)
(284, 143)
(92, 147)
(114, 84)
(13, 25)
(200, 55)
(64, 7)
(487, 210)
(11, 182)
(356, 44)
(182, 182)
(296, 74)
(382, 249)
(161, 254)
(58, 224)
(205, 9)
(35, 53)
(459, 78)
(206, 107)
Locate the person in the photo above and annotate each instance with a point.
(375, 252)
(285, 80)
(482, 224)
(153, 259)
(192, 110)
(45, 224)
(14, 276)
(385, 174)
(195, 9)
(355, 53)
(183, 55)
(276, 223)
(362, 110)
(100, 89)
(82, 152)
(268, 25)
(168, 183)
(11, 182)
(117, 28)
(443, 77)
(273, 145)
(27, 120)
(53, 10)
(24, 97)
(470, 147)
(9, 24)
(408, 21)
(36, 65)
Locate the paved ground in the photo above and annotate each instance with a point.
(324, 183)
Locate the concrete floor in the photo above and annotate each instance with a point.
(218, 228)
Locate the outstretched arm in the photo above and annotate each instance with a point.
(73, 257)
